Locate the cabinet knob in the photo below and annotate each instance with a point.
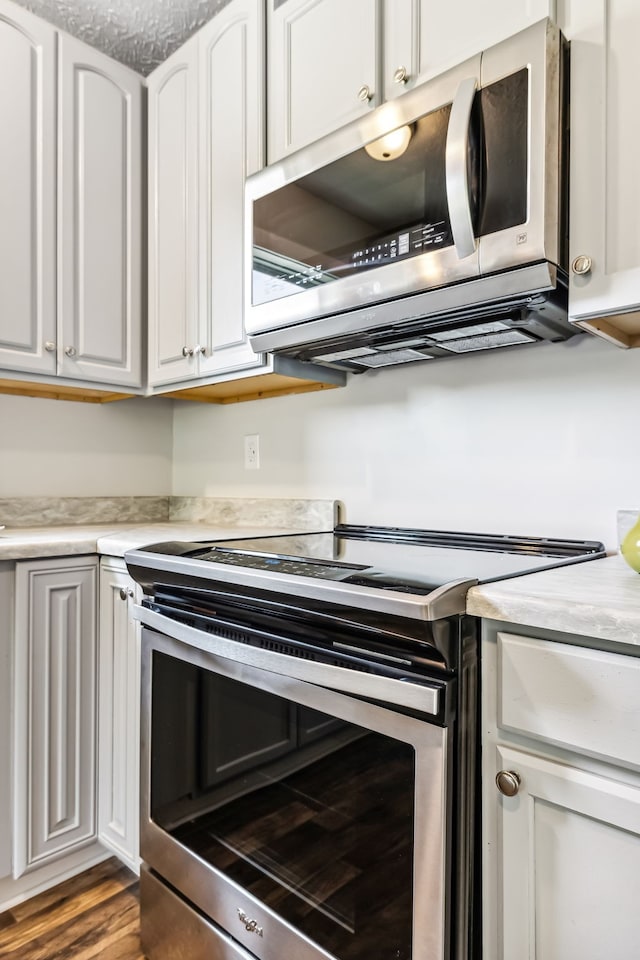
(201, 350)
(49, 346)
(365, 93)
(508, 782)
(582, 265)
(401, 75)
(125, 593)
(70, 351)
(187, 351)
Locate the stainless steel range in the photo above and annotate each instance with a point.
(310, 743)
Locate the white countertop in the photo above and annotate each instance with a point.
(599, 598)
(21, 543)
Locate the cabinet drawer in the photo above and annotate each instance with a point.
(582, 699)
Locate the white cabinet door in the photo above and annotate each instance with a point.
(605, 159)
(173, 216)
(323, 58)
(27, 192)
(99, 216)
(423, 38)
(231, 65)
(118, 713)
(54, 709)
(569, 863)
(6, 701)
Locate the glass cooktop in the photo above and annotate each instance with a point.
(389, 558)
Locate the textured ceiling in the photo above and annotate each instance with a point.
(140, 33)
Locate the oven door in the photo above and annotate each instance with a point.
(304, 822)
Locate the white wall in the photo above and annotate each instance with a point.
(60, 448)
(540, 441)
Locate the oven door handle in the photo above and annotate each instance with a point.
(423, 697)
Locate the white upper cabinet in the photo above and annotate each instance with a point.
(206, 122)
(173, 213)
(70, 207)
(100, 216)
(322, 68)
(27, 192)
(231, 127)
(331, 62)
(423, 38)
(604, 294)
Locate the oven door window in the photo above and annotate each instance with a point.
(310, 814)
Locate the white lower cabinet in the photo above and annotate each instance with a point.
(561, 850)
(568, 862)
(118, 713)
(54, 709)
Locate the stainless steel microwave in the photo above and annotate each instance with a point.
(434, 226)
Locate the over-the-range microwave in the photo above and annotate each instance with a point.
(434, 226)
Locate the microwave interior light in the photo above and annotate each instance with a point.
(391, 146)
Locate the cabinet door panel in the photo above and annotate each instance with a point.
(55, 709)
(100, 217)
(118, 713)
(27, 192)
(428, 38)
(231, 148)
(605, 158)
(173, 267)
(569, 863)
(321, 53)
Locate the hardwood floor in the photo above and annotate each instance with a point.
(95, 914)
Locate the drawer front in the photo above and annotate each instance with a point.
(582, 699)
(173, 930)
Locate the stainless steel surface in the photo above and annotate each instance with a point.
(218, 896)
(171, 930)
(508, 782)
(400, 75)
(582, 265)
(445, 601)
(539, 50)
(49, 346)
(363, 291)
(240, 659)
(539, 278)
(457, 167)
(514, 262)
(365, 93)
(70, 351)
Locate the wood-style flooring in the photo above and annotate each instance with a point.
(95, 914)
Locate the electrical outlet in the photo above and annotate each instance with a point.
(252, 452)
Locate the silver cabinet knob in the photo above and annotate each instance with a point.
(187, 351)
(70, 351)
(201, 350)
(508, 782)
(582, 265)
(365, 93)
(125, 593)
(49, 346)
(401, 75)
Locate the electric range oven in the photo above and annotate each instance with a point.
(310, 742)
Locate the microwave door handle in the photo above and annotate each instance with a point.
(456, 168)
